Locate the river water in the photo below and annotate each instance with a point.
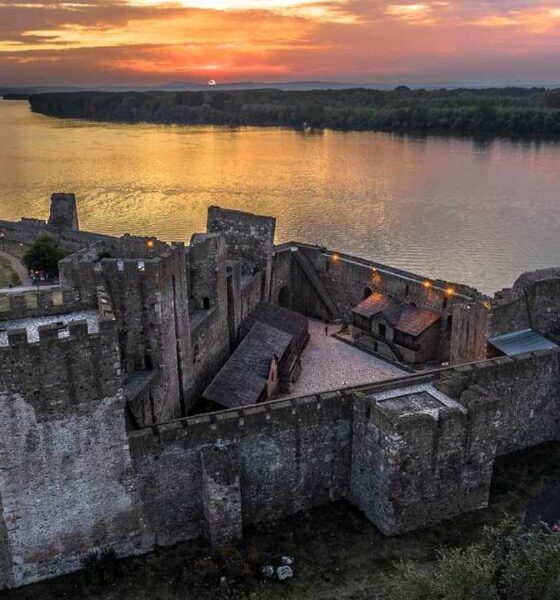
(463, 210)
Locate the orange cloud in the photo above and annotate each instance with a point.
(154, 40)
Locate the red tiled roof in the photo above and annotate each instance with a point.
(408, 319)
(373, 305)
(416, 320)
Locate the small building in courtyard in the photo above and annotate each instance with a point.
(401, 332)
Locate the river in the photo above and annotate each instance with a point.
(463, 210)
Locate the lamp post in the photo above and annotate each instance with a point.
(3, 238)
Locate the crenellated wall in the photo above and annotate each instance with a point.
(66, 483)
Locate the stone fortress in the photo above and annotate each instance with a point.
(99, 378)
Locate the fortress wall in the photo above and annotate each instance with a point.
(350, 279)
(26, 232)
(527, 387)
(66, 485)
(150, 302)
(6, 559)
(207, 262)
(249, 238)
(292, 455)
(250, 294)
(533, 302)
(281, 275)
(41, 302)
(470, 332)
(57, 373)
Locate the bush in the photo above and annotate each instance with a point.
(511, 563)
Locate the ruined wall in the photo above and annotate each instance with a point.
(292, 455)
(65, 473)
(532, 303)
(249, 238)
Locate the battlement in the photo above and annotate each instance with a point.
(55, 365)
(232, 423)
(36, 303)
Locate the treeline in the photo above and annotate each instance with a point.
(498, 111)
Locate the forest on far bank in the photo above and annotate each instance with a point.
(491, 111)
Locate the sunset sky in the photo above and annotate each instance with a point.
(141, 42)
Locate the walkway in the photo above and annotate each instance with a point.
(18, 267)
(328, 363)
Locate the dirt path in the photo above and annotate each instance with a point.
(18, 267)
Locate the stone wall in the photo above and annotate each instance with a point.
(149, 298)
(292, 455)
(206, 267)
(349, 280)
(66, 483)
(41, 302)
(249, 238)
(214, 474)
(532, 303)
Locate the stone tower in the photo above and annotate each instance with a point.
(64, 212)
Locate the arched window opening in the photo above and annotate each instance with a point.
(367, 292)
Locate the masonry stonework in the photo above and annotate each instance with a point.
(99, 379)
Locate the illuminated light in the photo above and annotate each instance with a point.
(212, 82)
(450, 291)
(335, 257)
(427, 284)
(150, 243)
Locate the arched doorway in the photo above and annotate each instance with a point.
(284, 297)
(367, 292)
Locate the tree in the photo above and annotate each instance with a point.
(43, 255)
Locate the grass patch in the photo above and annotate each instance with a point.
(7, 275)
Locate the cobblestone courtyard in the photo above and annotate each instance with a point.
(328, 363)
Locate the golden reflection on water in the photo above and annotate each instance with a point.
(473, 212)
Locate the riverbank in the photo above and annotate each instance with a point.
(492, 111)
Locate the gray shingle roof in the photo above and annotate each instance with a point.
(244, 377)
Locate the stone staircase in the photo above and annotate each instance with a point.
(317, 284)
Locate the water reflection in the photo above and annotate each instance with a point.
(477, 211)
